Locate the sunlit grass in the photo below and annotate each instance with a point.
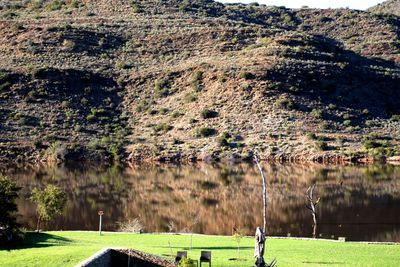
(69, 248)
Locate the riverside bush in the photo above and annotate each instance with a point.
(9, 228)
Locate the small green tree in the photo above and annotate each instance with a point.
(50, 202)
(9, 227)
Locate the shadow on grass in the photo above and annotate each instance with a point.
(37, 240)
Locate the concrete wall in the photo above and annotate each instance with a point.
(100, 259)
(110, 257)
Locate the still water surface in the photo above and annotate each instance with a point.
(357, 202)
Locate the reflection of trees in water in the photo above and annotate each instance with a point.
(391, 235)
(222, 196)
(230, 175)
(89, 189)
(377, 173)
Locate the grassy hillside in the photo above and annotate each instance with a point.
(69, 248)
(187, 80)
(387, 7)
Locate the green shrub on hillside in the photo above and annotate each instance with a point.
(9, 15)
(246, 75)
(77, 128)
(377, 146)
(287, 19)
(190, 98)
(152, 112)
(339, 142)
(332, 106)
(122, 65)
(142, 105)
(55, 5)
(164, 111)
(57, 151)
(321, 145)
(84, 101)
(68, 44)
(371, 142)
(285, 103)
(395, 117)
(317, 113)
(116, 151)
(223, 77)
(265, 41)
(161, 88)
(65, 104)
(91, 117)
(208, 114)
(347, 123)
(3, 76)
(162, 127)
(135, 6)
(223, 140)
(177, 114)
(206, 132)
(76, 4)
(197, 78)
(365, 112)
(4, 86)
(311, 136)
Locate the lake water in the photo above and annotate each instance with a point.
(357, 202)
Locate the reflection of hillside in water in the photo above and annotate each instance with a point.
(364, 207)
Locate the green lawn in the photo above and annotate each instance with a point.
(69, 248)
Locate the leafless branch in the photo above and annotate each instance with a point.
(311, 206)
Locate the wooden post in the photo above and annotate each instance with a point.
(191, 243)
(100, 220)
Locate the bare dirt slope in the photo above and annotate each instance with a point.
(187, 80)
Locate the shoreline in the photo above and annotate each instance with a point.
(324, 158)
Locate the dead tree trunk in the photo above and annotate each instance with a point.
(38, 224)
(264, 182)
(312, 206)
(260, 233)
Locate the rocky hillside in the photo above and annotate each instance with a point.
(187, 80)
(387, 7)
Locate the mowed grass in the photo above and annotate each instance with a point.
(69, 248)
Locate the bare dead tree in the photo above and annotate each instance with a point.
(264, 182)
(312, 207)
(260, 233)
